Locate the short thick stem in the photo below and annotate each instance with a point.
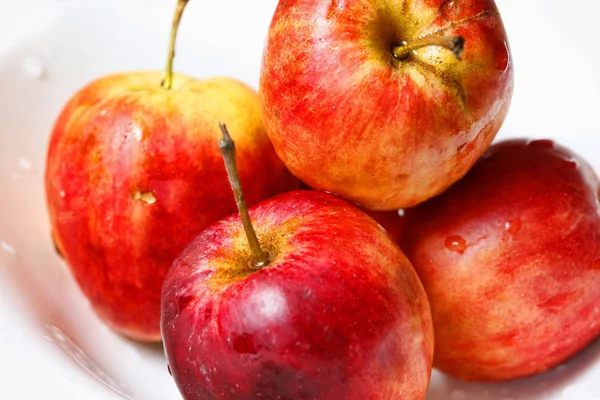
(167, 82)
(456, 44)
(227, 148)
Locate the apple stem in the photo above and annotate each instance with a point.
(227, 148)
(167, 82)
(456, 44)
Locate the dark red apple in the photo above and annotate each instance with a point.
(510, 259)
(133, 175)
(335, 311)
(392, 221)
(364, 98)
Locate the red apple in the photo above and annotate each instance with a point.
(510, 259)
(133, 175)
(391, 221)
(362, 99)
(336, 312)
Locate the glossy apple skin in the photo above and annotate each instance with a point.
(510, 259)
(391, 221)
(348, 118)
(123, 137)
(338, 313)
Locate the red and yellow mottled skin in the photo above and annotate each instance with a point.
(134, 173)
(510, 259)
(339, 312)
(347, 117)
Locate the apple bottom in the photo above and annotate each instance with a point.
(338, 312)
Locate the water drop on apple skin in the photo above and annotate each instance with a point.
(513, 226)
(541, 143)
(183, 302)
(571, 164)
(456, 244)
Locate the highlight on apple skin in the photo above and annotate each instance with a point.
(510, 260)
(338, 312)
(368, 99)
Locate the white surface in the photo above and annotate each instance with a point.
(51, 344)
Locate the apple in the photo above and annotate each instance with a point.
(368, 99)
(316, 303)
(132, 176)
(510, 259)
(391, 221)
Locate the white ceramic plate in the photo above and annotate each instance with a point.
(51, 344)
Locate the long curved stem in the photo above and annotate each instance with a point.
(456, 44)
(167, 82)
(227, 148)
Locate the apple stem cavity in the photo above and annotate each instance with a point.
(167, 82)
(456, 44)
(227, 148)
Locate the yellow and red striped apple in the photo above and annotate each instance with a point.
(133, 175)
(365, 98)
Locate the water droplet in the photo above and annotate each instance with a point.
(513, 226)
(486, 155)
(448, 5)
(8, 248)
(456, 243)
(137, 133)
(571, 163)
(541, 143)
(102, 113)
(62, 193)
(183, 302)
(401, 212)
(146, 197)
(25, 164)
(34, 68)
(458, 394)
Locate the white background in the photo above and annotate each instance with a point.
(51, 345)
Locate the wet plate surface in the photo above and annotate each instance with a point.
(50, 341)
